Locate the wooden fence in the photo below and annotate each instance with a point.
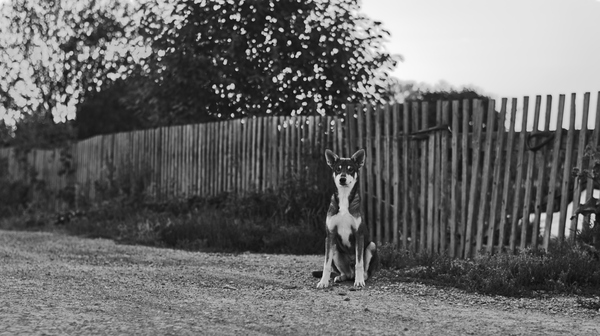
(450, 176)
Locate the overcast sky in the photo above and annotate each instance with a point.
(507, 48)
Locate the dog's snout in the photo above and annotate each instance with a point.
(343, 180)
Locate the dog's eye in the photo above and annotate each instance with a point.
(350, 169)
(338, 169)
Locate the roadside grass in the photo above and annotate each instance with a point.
(567, 267)
(289, 220)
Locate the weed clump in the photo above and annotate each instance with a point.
(287, 220)
(566, 268)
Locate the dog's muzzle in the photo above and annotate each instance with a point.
(343, 180)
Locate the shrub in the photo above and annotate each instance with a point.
(566, 267)
(287, 220)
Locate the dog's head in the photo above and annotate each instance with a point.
(345, 171)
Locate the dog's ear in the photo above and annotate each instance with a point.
(331, 158)
(359, 158)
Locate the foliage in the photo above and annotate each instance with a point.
(286, 220)
(107, 111)
(13, 195)
(271, 222)
(223, 59)
(39, 131)
(5, 134)
(18, 197)
(591, 229)
(565, 267)
(53, 53)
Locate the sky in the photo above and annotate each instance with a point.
(507, 48)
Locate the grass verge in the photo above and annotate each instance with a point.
(566, 268)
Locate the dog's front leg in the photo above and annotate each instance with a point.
(359, 279)
(328, 259)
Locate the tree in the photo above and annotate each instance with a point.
(227, 59)
(54, 52)
(107, 111)
(5, 134)
(37, 131)
(409, 91)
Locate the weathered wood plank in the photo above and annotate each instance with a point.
(476, 144)
(556, 157)
(485, 175)
(444, 198)
(386, 157)
(378, 174)
(507, 175)
(541, 162)
(518, 191)
(567, 171)
(454, 184)
(370, 165)
(465, 176)
(527, 200)
(579, 163)
(396, 161)
(424, 185)
(405, 181)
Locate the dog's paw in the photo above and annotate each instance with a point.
(359, 283)
(323, 284)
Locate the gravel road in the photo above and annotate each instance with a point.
(54, 284)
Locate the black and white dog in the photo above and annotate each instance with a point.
(347, 233)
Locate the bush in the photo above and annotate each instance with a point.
(287, 220)
(566, 267)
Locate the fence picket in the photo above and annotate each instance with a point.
(438, 182)
(529, 178)
(485, 179)
(430, 185)
(567, 172)
(553, 172)
(388, 232)
(465, 180)
(395, 157)
(579, 163)
(455, 178)
(476, 143)
(518, 185)
(507, 173)
(405, 181)
(424, 174)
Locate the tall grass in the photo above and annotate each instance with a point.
(289, 219)
(566, 267)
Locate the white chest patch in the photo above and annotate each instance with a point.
(343, 221)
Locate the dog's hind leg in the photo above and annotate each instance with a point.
(371, 259)
(343, 263)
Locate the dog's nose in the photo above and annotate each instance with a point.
(342, 180)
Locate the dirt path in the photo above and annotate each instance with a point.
(55, 284)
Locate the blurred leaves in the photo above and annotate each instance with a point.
(226, 59)
(123, 65)
(53, 53)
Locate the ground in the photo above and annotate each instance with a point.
(51, 283)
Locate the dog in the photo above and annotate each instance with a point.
(347, 232)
